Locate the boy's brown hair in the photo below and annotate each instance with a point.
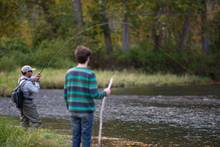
(82, 53)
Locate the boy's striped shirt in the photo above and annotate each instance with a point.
(80, 88)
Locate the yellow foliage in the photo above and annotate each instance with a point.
(26, 32)
(57, 2)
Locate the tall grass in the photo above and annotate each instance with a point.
(54, 78)
(8, 81)
(14, 136)
(136, 79)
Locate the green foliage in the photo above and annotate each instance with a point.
(36, 32)
(147, 60)
(7, 63)
(13, 53)
(55, 53)
(42, 31)
(8, 45)
(191, 62)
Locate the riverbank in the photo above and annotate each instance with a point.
(11, 134)
(54, 79)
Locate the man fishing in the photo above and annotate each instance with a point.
(80, 90)
(30, 87)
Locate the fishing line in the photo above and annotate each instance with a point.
(90, 28)
(178, 63)
(72, 39)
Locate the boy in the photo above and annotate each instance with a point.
(80, 89)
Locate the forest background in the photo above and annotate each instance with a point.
(165, 36)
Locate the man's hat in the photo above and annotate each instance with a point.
(27, 68)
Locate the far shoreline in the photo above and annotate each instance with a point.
(54, 79)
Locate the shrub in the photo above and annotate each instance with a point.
(53, 53)
(13, 53)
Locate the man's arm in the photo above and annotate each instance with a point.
(33, 88)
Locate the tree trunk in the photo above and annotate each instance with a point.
(77, 13)
(185, 33)
(157, 39)
(105, 26)
(157, 32)
(125, 34)
(204, 27)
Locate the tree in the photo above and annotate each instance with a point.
(105, 25)
(204, 27)
(184, 35)
(157, 30)
(125, 33)
(185, 32)
(77, 13)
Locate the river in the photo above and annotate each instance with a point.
(163, 116)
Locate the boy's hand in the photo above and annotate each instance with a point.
(108, 91)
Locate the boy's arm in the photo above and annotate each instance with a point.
(93, 88)
(65, 91)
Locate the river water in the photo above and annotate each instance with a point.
(163, 116)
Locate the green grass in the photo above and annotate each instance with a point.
(11, 135)
(54, 78)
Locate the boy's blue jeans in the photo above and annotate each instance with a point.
(81, 129)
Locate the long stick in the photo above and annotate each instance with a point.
(101, 114)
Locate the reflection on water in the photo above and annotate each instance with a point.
(160, 134)
(171, 90)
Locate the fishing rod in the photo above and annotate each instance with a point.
(73, 38)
